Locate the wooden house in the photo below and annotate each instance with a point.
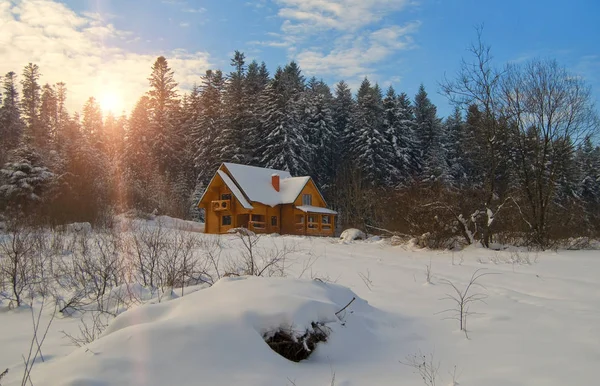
(265, 201)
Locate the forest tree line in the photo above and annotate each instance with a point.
(515, 162)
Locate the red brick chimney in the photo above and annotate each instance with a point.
(275, 181)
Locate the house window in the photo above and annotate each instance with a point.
(300, 219)
(226, 196)
(312, 221)
(257, 217)
(273, 221)
(306, 199)
(226, 220)
(325, 219)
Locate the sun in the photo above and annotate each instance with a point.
(111, 102)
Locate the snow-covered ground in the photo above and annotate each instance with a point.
(539, 325)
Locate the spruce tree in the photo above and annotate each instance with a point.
(232, 140)
(31, 101)
(11, 125)
(371, 151)
(284, 145)
(163, 107)
(455, 142)
(407, 145)
(430, 135)
(320, 131)
(209, 125)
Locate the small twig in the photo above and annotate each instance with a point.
(346, 306)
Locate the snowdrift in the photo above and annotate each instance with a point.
(216, 336)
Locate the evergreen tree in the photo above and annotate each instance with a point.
(343, 106)
(455, 130)
(320, 130)
(31, 101)
(11, 125)
(284, 142)
(48, 118)
(407, 145)
(24, 181)
(369, 146)
(232, 141)
(257, 79)
(430, 135)
(163, 107)
(209, 125)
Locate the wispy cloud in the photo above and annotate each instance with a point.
(184, 24)
(76, 48)
(194, 10)
(356, 56)
(344, 38)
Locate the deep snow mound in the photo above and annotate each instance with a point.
(352, 234)
(216, 335)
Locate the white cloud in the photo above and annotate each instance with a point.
(76, 49)
(344, 38)
(184, 24)
(314, 15)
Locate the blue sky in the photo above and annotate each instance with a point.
(398, 42)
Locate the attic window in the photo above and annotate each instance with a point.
(226, 196)
(307, 199)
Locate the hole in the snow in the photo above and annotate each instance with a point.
(294, 345)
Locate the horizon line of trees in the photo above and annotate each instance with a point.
(516, 158)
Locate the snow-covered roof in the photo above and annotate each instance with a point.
(315, 209)
(234, 189)
(256, 183)
(290, 188)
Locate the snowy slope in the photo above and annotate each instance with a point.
(540, 324)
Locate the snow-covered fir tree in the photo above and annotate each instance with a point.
(370, 149)
(284, 135)
(430, 134)
(320, 130)
(209, 125)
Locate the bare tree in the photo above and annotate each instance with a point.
(550, 111)
(463, 299)
(477, 85)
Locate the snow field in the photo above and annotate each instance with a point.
(539, 325)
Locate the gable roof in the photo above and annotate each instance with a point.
(256, 184)
(234, 189)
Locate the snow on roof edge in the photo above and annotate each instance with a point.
(315, 209)
(234, 189)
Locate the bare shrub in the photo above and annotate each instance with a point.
(424, 365)
(17, 249)
(428, 272)
(148, 244)
(89, 330)
(463, 299)
(177, 262)
(257, 261)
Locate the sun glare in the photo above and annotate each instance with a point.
(111, 102)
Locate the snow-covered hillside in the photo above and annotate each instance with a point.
(539, 325)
